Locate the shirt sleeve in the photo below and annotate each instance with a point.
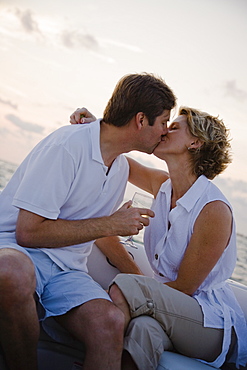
(46, 183)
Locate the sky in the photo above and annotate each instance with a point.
(56, 56)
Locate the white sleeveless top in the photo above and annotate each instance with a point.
(165, 250)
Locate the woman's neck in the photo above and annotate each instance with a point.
(182, 179)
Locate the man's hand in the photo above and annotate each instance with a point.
(82, 115)
(129, 220)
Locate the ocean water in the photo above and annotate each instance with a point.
(240, 273)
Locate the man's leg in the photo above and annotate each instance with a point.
(99, 324)
(18, 316)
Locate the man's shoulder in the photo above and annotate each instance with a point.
(72, 133)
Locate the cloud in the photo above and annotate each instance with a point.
(73, 39)
(233, 91)
(27, 126)
(28, 22)
(9, 103)
(54, 32)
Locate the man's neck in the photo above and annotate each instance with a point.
(113, 142)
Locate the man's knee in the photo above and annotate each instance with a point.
(110, 318)
(17, 274)
(95, 319)
(109, 324)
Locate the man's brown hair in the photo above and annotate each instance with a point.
(138, 93)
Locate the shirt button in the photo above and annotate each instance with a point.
(156, 256)
(150, 305)
(160, 274)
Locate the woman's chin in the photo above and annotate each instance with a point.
(157, 153)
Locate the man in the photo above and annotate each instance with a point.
(61, 199)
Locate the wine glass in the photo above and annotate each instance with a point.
(139, 200)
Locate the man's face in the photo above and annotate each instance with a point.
(152, 135)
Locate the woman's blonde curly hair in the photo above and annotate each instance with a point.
(213, 156)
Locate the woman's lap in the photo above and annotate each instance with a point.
(179, 315)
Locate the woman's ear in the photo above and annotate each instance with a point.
(195, 144)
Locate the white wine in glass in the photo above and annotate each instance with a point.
(139, 200)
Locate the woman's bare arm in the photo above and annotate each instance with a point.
(211, 235)
(146, 178)
(118, 255)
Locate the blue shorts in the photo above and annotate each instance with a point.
(59, 291)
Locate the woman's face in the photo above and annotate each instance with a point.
(176, 141)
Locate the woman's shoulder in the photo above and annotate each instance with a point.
(214, 192)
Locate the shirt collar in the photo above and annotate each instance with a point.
(95, 140)
(96, 152)
(190, 198)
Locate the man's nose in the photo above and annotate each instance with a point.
(165, 130)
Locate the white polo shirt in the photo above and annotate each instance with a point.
(65, 177)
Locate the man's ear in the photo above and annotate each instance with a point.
(140, 120)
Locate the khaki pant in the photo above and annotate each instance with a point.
(164, 318)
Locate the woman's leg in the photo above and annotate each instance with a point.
(145, 341)
(179, 315)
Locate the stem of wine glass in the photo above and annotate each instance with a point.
(141, 201)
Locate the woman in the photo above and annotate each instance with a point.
(191, 246)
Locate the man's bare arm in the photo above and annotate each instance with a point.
(35, 231)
